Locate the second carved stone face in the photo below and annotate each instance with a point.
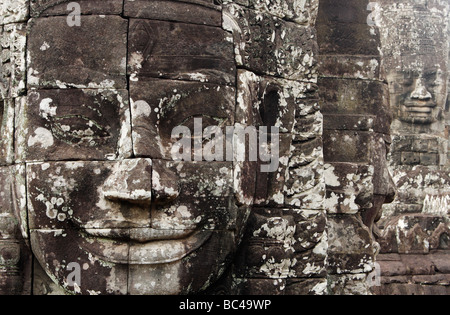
(415, 48)
(420, 95)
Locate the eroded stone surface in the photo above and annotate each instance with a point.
(73, 125)
(15, 254)
(12, 11)
(355, 105)
(13, 60)
(93, 55)
(173, 50)
(92, 111)
(94, 134)
(158, 106)
(7, 131)
(415, 47)
(266, 44)
(192, 12)
(58, 7)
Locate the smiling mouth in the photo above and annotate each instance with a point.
(142, 246)
(419, 108)
(418, 111)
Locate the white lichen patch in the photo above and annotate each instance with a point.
(42, 137)
(330, 178)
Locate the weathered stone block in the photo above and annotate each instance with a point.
(55, 190)
(416, 234)
(279, 102)
(134, 199)
(284, 244)
(413, 185)
(356, 67)
(203, 199)
(15, 268)
(57, 7)
(349, 187)
(101, 264)
(410, 158)
(348, 284)
(349, 122)
(346, 146)
(146, 278)
(92, 55)
(12, 60)
(159, 106)
(73, 125)
(161, 49)
(357, 97)
(249, 286)
(266, 44)
(304, 186)
(13, 217)
(289, 10)
(195, 12)
(343, 29)
(349, 245)
(7, 131)
(15, 254)
(12, 11)
(429, 159)
(316, 286)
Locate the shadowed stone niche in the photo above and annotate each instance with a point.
(415, 228)
(106, 106)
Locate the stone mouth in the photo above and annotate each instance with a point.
(149, 247)
(420, 107)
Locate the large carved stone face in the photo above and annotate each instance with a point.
(103, 189)
(93, 110)
(415, 46)
(419, 95)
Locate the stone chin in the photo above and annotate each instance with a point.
(417, 119)
(114, 266)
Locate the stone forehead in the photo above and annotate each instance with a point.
(414, 32)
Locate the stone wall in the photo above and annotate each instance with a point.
(354, 102)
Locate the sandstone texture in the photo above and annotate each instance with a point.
(245, 147)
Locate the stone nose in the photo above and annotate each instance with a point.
(164, 183)
(420, 91)
(131, 181)
(141, 181)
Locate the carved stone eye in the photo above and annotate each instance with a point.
(143, 38)
(79, 130)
